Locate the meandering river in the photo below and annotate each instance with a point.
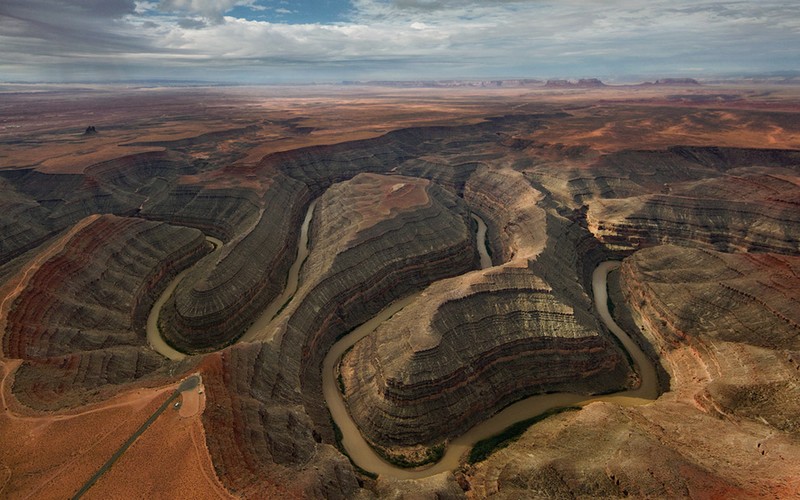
(262, 323)
(365, 457)
(480, 238)
(355, 445)
(154, 337)
(261, 327)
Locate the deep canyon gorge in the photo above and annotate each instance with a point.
(517, 293)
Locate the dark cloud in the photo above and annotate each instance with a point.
(192, 24)
(71, 25)
(44, 10)
(379, 39)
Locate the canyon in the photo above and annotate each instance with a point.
(403, 292)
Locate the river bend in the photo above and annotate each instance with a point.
(356, 446)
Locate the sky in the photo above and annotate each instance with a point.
(303, 41)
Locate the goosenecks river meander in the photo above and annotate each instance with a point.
(353, 442)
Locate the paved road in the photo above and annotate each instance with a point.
(190, 383)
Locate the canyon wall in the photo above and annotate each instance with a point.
(466, 349)
(80, 318)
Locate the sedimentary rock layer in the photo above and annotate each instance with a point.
(36, 205)
(466, 350)
(726, 329)
(220, 297)
(508, 205)
(83, 310)
(377, 239)
(263, 443)
(744, 298)
(728, 200)
(221, 213)
(738, 312)
(373, 239)
(664, 450)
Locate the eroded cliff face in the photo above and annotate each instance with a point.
(509, 206)
(467, 348)
(80, 315)
(378, 239)
(261, 439)
(725, 329)
(374, 239)
(36, 206)
(738, 313)
(220, 298)
(725, 200)
(393, 218)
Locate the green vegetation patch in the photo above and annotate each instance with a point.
(430, 456)
(486, 447)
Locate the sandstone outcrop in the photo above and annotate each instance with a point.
(738, 312)
(721, 199)
(262, 440)
(509, 206)
(467, 348)
(392, 219)
(708, 294)
(374, 239)
(241, 286)
(583, 83)
(657, 451)
(36, 206)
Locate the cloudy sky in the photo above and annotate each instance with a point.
(276, 41)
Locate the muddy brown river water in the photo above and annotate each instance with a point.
(365, 457)
(359, 450)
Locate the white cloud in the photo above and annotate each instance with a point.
(415, 38)
(211, 9)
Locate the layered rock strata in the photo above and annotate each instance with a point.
(36, 206)
(509, 206)
(376, 239)
(263, 443)
(725, 328)
(743, 298)
(466, 349)
(81, 315)
(666, 450)
(214, 305)
(220, 297)
(221, 213)
(727, 200)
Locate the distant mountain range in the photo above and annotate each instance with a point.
(583, 83)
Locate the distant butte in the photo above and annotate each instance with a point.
(584, 83)
(677, 82)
